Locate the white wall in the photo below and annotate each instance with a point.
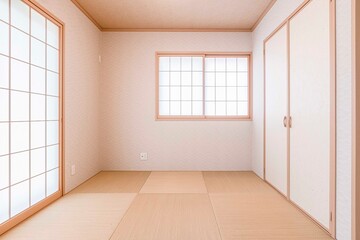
(81, 78)
(127, 108)
(281, 10)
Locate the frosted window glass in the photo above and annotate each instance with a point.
(4, 171)
(52, 157)
(231, 79)
(20, 164)
(210, 93)
(19, 75)
(19, 136)
(231, 64)
(164, 108)
(197, 108)
(52, 108)
(38, 25)
(186, 64)
(242, 79)
(37, 107)
(164, 93)
(19, 106)
(52, 182)
(4, 105)
(186, 78)
(52, 59)
(231, 108)
(175, 108)
(175, 93)
(38, 134)
(19, 198)
(242, 64)
(210, 79)
(220, 108)
(243, 108)
(197, 78)
(220, 79)
(20, 15)
(210, 108)
(185, 93)
(164, 63)
(38, 159)
(175, 78)
(220, 94)
(38, 53)
(4, 39)
(4, 71)
(37, 189)
(52, 34)
(220, 64)
(231, 94)
(197, 93)
(210, 64)
(186, 108)
(164, 78)
(4, 138)
(197, 63)
(175, 64)
(37, 80)
(52, 132)
(4, 205)
(20, 45)
(242, 93)
(4, 10)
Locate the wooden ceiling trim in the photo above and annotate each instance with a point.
(271, 4)
(87, 14)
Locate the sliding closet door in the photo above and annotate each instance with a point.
(310, 110)
(30, 111)
(276, 109)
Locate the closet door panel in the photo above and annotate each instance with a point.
(310, 110)
(276, 103)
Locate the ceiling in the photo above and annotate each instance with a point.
(197, 15)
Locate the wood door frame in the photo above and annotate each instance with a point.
(12, 222)
(332, 198)
(355, 206)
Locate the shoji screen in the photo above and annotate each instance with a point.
(30, 108)
(276, 101)
(310, 110)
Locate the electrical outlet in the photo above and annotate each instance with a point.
(73, 170)
(143, 156)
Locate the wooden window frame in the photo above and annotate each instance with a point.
(203, 117)
(12, 222)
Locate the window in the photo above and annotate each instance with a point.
(30, 110)
(203, 86)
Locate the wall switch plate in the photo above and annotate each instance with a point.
(143, 156)
(73, 170)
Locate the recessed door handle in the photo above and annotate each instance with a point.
(284, 121)
(290, 122)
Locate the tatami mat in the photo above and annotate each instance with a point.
(174, 182)
(234, 182)
(265, 216)
(114, 182)
(75, 217)
(169, 217)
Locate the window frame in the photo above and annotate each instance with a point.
(203, 117)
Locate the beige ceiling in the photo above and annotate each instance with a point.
(174, 14)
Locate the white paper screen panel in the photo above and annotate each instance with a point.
(29, 108)
(310, 110)
(276, 94)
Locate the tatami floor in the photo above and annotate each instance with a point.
(170, 206)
